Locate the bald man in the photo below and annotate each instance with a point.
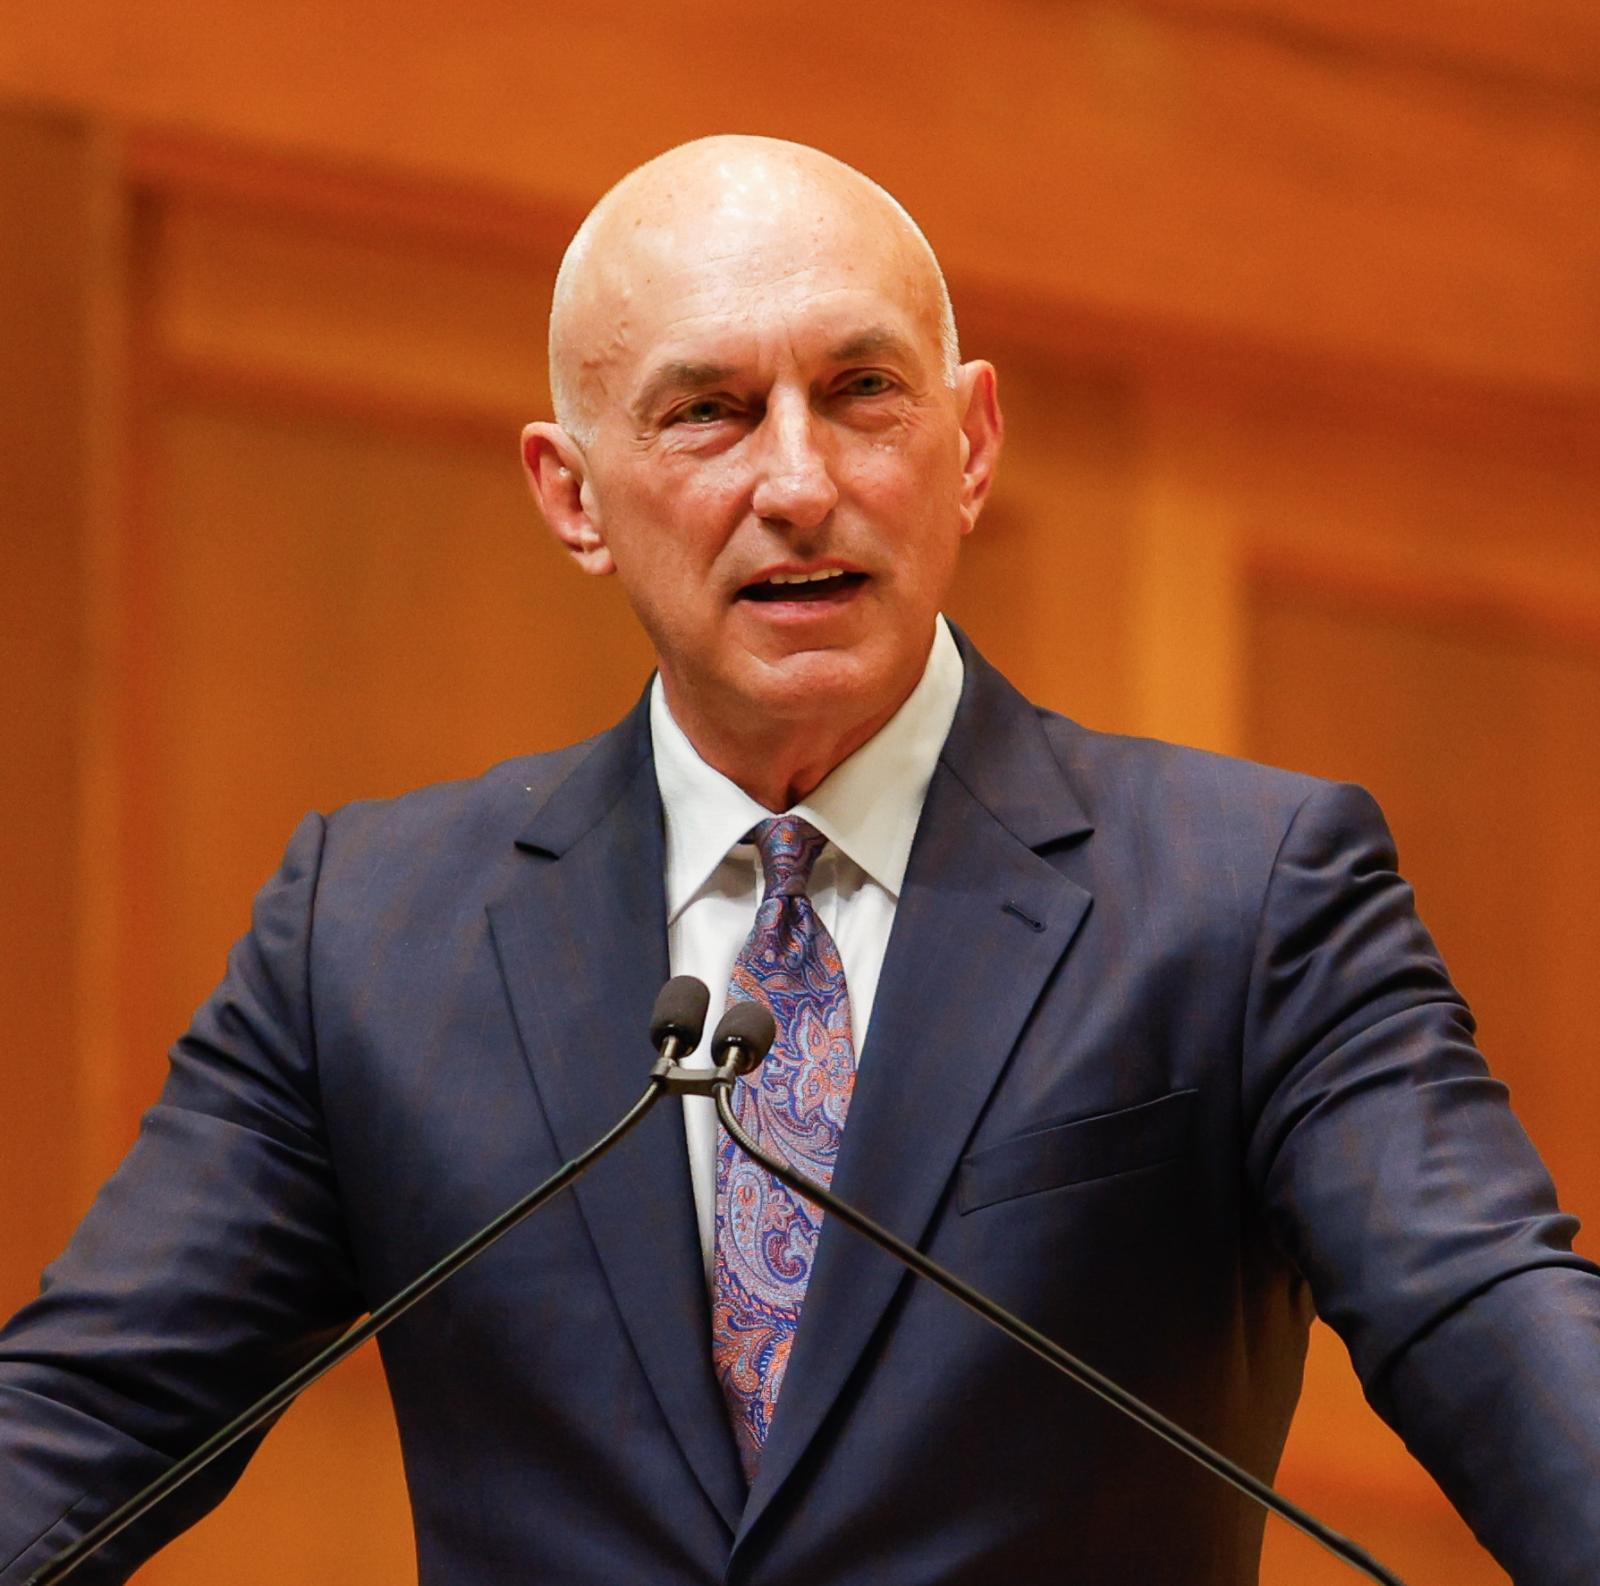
(1147, 1043)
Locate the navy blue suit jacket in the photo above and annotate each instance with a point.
(1161, 1056)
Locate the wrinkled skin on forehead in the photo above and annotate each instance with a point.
(749, 350)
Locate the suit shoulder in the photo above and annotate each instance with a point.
(1119, 773)
(454, 819)
(518, 783)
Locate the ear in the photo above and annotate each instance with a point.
(982, 431)
(558, 476)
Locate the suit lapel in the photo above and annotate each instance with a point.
(582, 944)
(982, 924)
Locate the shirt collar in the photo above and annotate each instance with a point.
(868, 806)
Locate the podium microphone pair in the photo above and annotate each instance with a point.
(742, 1039)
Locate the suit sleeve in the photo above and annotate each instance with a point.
(1396, 1176)
(211, 1264)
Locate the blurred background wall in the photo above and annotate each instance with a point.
(1297, 309)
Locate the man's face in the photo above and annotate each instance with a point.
(779, 472)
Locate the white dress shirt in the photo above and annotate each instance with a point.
(867, 808)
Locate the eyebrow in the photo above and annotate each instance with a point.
(674, 377)
(871, 343)
(670, 378)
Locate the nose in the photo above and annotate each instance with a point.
(794, 483)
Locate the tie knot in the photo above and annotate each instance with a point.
(789, 847)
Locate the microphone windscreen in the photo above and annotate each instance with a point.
(680, 1011)
(745, 1031)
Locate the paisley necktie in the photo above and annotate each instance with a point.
(794, 1105)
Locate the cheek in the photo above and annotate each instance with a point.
(915, 455)
(908, 490)
(670, 539)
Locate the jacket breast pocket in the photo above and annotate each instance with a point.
(1078, 1151)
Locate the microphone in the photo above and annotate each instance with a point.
(743, 1037)
(675, 1024)
(679, 1016)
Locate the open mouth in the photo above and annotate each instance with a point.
(825, 585)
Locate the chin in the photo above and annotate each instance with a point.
(818, 684)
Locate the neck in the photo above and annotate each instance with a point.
(780, 762)
(779, 771)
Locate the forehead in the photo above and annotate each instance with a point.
(740, 289)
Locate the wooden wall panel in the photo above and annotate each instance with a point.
(1347, 185)
(1554, 42)
(312, 305)
(57, 271)
(1047, 579)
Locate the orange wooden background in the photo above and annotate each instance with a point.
(1297, 310)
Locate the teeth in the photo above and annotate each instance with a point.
(806, 578)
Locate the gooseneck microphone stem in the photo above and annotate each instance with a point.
(280, 1397)
(741, 1041)
(1046, 1348)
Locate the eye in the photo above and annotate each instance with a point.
(703, 410)
(869, 383)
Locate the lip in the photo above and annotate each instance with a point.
(810, 609)
(790, 569)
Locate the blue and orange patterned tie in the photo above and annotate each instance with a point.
(795, 1106)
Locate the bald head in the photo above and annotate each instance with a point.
(743, 204)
